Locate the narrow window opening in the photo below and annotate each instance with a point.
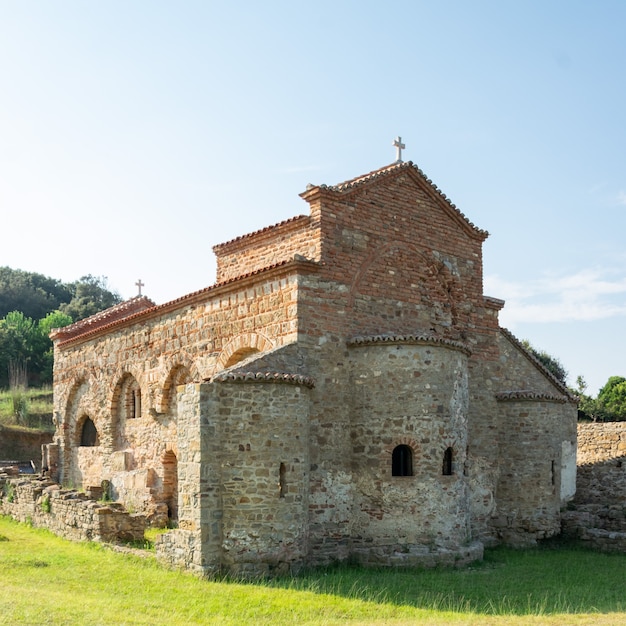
(553, 477)
(282, 481)
(402, 461)
(447, 462)
(135, 404)
(89, 434)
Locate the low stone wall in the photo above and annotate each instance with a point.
(597, 515)
(17, 444)
(598, 526)
(420, 556)
(66, 512)
(601, 441)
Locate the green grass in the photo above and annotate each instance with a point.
(47, 580)
(36, 408)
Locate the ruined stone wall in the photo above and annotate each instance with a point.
(601, 441)
(21, 445)
(269, 246)
(601, 464)
(597, 515)
(67, 513)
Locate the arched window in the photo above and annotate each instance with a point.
(402, 461)
(88, 434)
(446, 469)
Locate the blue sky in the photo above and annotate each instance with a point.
(136, 135)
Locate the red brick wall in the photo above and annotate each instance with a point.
(267, 247)
(396, 258)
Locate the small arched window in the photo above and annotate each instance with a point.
(88, 434)
(402, 461)
(446, 469)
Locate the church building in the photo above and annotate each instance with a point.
(342, 392)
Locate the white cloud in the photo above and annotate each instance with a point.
(587, 295)
(621, 198)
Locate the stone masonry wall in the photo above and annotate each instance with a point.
(597, 515)
(243, 479)
(413, 395)
(529, 486)
(600, 442)
(601, 464)
(389, 319)
(153, 357)
(67, 513)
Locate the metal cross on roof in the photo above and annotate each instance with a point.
(397, 142)
(139, 286)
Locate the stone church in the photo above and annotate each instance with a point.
(342, 392)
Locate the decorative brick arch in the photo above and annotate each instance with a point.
(182, 370)
(69, 390)
(435, 272)
(401, 441)
(241, 347)
(124, 404)
(115, 381)
(73, 407)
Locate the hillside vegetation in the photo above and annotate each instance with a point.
(31, 305)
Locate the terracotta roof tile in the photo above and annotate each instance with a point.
(409, 339)
(264, 377)
(254, 233)
(538, 364)
(103, 318)
(524, 394)
(297, 262)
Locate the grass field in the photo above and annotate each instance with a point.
(47, 580)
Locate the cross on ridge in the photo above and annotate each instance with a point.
(140, 285)
(397, 142)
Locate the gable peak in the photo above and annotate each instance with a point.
(390, 171)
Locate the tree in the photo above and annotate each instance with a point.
(18, 336)
(45, 351)
(25, 346)
(588, 407)
(32, 294)
(90, 295)
(612, 399)
(30, 306)
(551, 363)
